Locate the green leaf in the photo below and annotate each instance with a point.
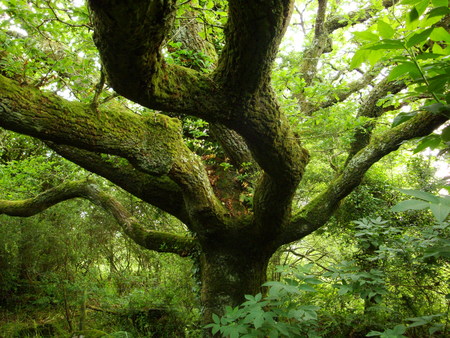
(436, 108)
(358, 58)
(258, 321)
(410, 205)
(399, 329)
(216, 318)
(440, 34)
(431, 141)
(403, 117)
(420, 194)
(427, 56)
(311, 280)
(413, 15)
(386, 31)
(445, 134)
(440, 211)
(374, 333)
(401, 69)
(419, 37)
(421, 7)
(438, 83)
(386, 44)
(366, 36)
(410, 2)
(440, 3)
(439, 11)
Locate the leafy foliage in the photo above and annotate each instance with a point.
(277, 314)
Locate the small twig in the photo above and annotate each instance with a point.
(62, 21)
(184, 3)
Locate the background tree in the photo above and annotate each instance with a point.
(143, 151)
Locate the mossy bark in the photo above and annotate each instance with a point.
(227, 274)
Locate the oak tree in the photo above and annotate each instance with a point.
(146, 153)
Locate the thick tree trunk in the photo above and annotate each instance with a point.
(227, 276)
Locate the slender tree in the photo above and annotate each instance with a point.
(238, 100)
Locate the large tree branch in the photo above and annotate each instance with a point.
(149, 239)
(370, 109)
(322, 43)
(253, 34)
(339, 95)
(129, 35)
(151, 143)
(159, 191)
(340, 21)
(317, 212)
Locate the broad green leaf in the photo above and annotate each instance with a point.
(385, 30)
(445, 135)
(420, 194)
(403, 117)
(216, 318)
(375, 55)
(438, 83)
(259, 320)
(419, 37)
(436, 108)
(358, 58)
(312, 280)
(402, 69)
(431, 141)
(399, 329)
(440, 34)
(440, 3)
(438, 251)
(421, 7)
(410, 205)
(440, 211)
(410, 2)
(439, 11)
(366, 36)
(437, 49)
(426, 56)
(386, 44)
(413, 15)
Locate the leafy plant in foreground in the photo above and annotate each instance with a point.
(276, 314)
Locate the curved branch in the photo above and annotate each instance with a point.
(369, 108)
(129, 36)
(317, 212)
(322, 43)
(340, 95)
(233, 145)
(159, 191)
(149, 239)
(253, 34)
(339, 21)
(148, 142)
(152, 143)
